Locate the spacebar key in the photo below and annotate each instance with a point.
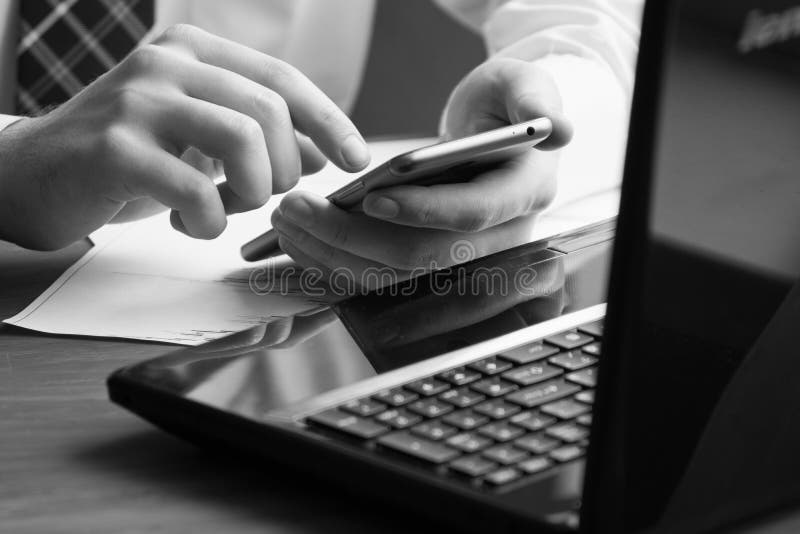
(418, 447)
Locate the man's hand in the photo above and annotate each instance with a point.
(122, 148)
(415, 227)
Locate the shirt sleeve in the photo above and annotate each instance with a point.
(605, 32)
(7, 120)
(589, 47)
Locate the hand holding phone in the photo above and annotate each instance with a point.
(448, 162)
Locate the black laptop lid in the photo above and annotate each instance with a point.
(698, 416)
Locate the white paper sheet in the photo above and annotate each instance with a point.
(146, 281)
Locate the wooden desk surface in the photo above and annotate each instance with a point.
(70, 461)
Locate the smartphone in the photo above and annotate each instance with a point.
(448, 162)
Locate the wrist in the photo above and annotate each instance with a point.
(15, 188)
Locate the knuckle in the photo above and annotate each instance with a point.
(508, 69)
(114, 141)
(270, 104)
(245, 128)
(146, 58)
(128, 102)
(183, 33)
(329, 114)
(280, 71)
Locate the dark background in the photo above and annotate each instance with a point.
(418, 54)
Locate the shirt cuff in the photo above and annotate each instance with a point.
(592, 162)
(8, 120)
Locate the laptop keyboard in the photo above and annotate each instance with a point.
(492, 422)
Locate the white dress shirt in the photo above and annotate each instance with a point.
(329, 39)
(588, 46)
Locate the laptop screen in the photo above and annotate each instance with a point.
(702, 427)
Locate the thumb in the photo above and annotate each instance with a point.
(528, 107)
(531, 93)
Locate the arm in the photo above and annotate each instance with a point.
(604, 32)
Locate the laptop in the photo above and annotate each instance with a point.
(503, 394)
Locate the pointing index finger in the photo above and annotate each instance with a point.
(312, 112)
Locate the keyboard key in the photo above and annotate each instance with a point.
(348, 423)
(569, 340)
(592, 349)
(503, 476)
(585, 419)
(537, 443)
(532, 421)
(573, 360)
(586, 396)
(529, 353)
(501, 431)
(542, 393)
(465, 419)
(534, 465)
(418, 447)
(430, 407)
(565, 408)
(569, 432)
(472, 466)
(428, 387)
(593, 329)
(398, 418)
(364, 407)
(462, 398)
(505, 454)
(460, 376)
(396, 397)
(490, 366)
(586, 377)
(468, 442)
(493, 387)
(433, 430)
(532, 374)
(567, 453)
(497, 408)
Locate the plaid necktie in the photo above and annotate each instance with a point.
(66, 44)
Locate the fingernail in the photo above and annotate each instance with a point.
(382, 207)
(355, 152)
(298, 211)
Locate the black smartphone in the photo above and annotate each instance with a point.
(449, 162)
